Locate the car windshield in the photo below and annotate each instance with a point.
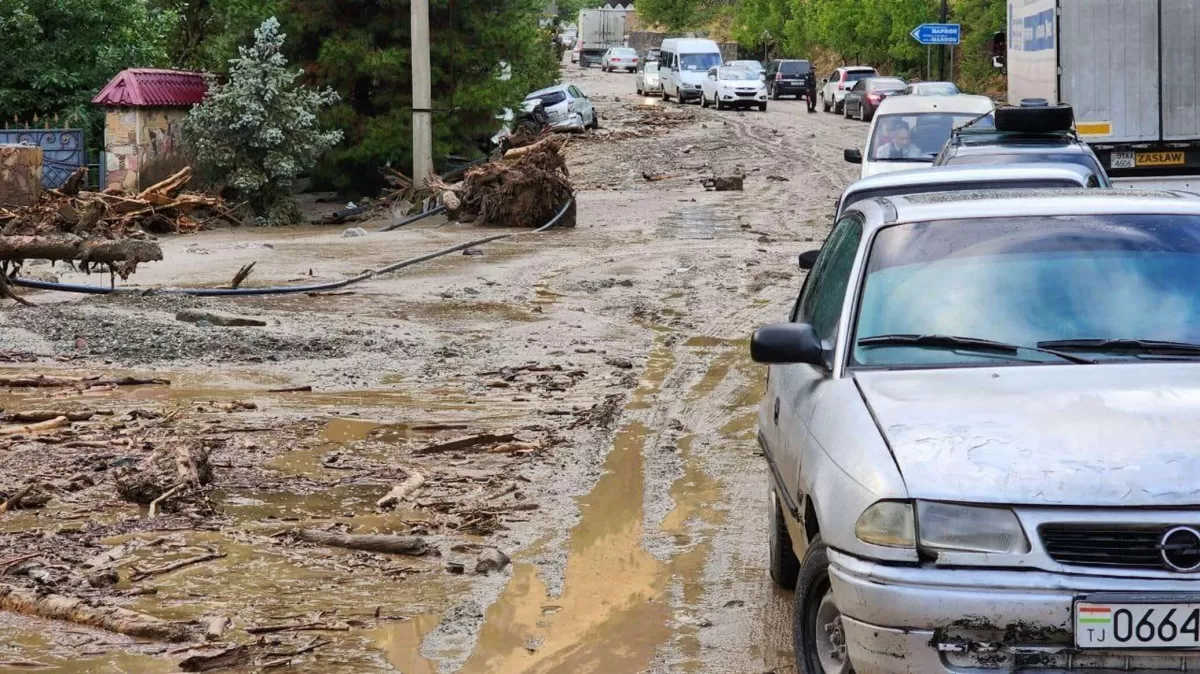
(916, 137)
(935, 89)
(794, 67)
(736, 74)
(748, 65)
(624, 52)
(856, 75)
(1025, 281)
(699, 61)
(970, 186)
(549, 98)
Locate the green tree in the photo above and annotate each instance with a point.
(675, 15)
(261, 129)
(58, 54)
(207, 33)
(361, 49)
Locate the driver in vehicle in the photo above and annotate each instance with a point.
(900, 145)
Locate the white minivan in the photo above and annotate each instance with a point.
(684, 63)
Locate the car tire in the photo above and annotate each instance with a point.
(718, 104)
(665, 97)
(762, 107)
(595, 121)
(845, 110)
(824, 103)
(862, 112)
(774, 94)
(818, 650)
(784, 565)
(703, 100)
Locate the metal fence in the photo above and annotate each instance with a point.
(63, 151)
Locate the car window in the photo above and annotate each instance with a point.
(737, 74)
(576, 92)
(1028, 280)
(794, 67)
(925, 188)
(857, 75)
(549, 98)
(822, 302)
(712, 73)
(699, 61)
(918, 137)
(860, 86)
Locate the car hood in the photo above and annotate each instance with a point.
(878, 166)
(1088, 435)
(693, 76)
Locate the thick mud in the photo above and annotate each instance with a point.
(632, 500)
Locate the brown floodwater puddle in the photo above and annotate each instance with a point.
(615, 610)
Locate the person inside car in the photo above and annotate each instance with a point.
(899, 145)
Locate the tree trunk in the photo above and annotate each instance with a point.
(72, 610)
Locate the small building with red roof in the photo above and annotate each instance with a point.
(143, 126)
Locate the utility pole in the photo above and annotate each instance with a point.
(422, 98)
(942, 48)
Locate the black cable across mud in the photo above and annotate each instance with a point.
(284, 290)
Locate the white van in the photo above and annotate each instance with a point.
(684, 63)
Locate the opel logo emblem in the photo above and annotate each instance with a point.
(1180, 549)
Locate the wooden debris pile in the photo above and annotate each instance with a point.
(107, 228)
(526, 188)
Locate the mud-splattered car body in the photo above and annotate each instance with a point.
(948, 512)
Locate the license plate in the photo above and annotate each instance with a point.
(1123, 160)
(1128, 625)
(1160, 159)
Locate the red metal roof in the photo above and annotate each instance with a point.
(145, 87)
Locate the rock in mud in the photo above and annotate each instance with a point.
(724, 183)
(491, 559)
(213, 318)
(620, 363)
(354, 232)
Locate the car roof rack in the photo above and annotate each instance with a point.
(1033, 119)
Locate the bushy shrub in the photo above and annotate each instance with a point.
(259, 131)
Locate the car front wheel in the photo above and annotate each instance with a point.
(703, 100)
(818, 636)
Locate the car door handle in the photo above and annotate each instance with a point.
(777, 411)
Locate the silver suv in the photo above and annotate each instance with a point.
(982, 426)
(834, 87)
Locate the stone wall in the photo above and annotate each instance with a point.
(20, 175)
(143, 146)
(644, 40)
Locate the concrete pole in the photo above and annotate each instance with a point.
(422, 98)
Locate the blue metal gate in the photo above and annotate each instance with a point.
(62, 151)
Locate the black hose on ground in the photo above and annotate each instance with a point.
(283, 290)
(416, 218)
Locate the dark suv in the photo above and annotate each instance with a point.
(785, 77)
(981, 143)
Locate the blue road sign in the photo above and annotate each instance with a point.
(937, 33)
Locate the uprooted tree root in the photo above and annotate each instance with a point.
(525, 189)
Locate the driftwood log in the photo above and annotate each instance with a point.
(185, 465)
(72, 610)
(71, 247)
(402, 491)
(393, 545)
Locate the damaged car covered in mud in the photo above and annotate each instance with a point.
(981, 424)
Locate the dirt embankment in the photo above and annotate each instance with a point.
(534, 456)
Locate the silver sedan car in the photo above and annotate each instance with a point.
(983, 430)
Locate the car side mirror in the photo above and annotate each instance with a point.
(786, 344)
(852, 155)
(808, 259)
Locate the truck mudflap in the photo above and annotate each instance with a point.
(1149, 159)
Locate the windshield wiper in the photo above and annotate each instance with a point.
(966, 344)
(1136, 346)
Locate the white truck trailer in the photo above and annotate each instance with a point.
(600, 30)
(1131, 71)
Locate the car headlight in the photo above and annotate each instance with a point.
(958, 528)
(887, 523)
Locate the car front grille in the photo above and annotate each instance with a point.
(1119, 545)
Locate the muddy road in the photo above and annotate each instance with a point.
(601, 375)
